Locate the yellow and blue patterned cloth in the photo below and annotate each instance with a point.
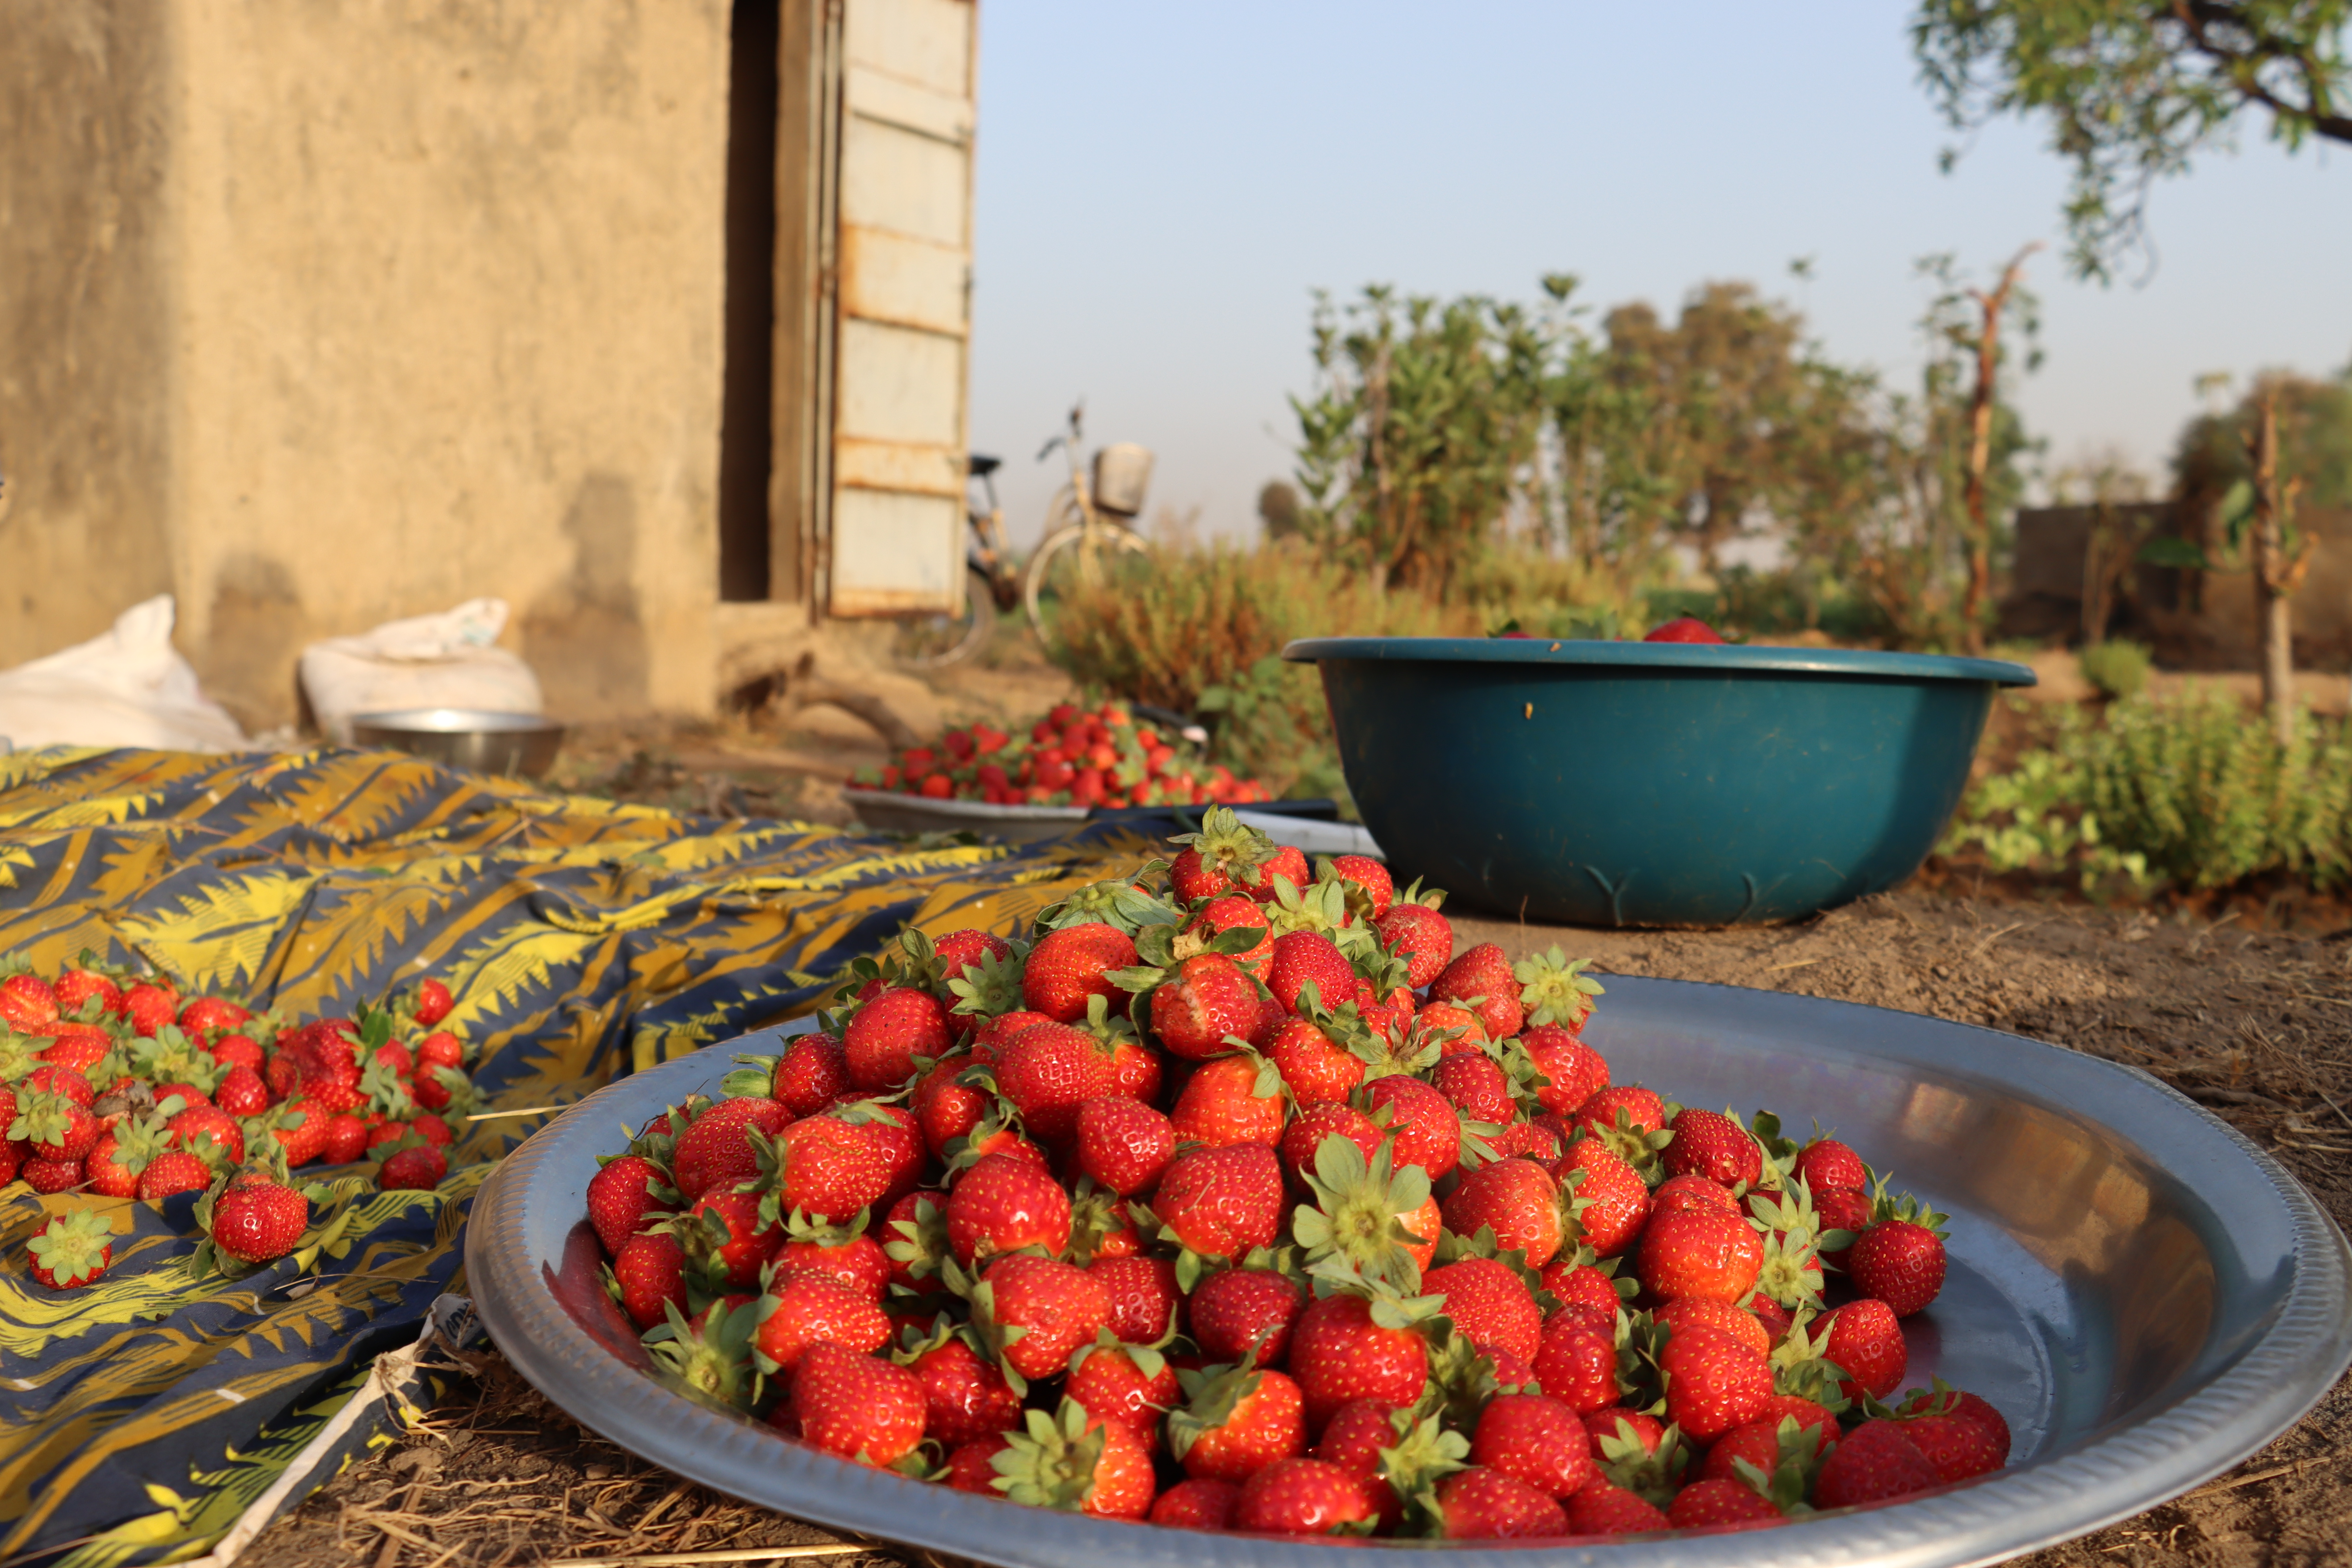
(140, 1417)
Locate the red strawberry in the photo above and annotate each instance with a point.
(242, 1093)
(1128, 1384)
(623, 1198)
(1072, 963)
(1233, 1310)
(1003, 1203)
(1576, 1363)
(963, 949)
(76, 987)
(108, 1172)
(1421, 936)
(1477, 1085)
(1286, 863)
(1482, 981)
(1517, 1200)
(27, 1004)
(344, 1137)
(71, 1249)
(1899, 1263)
(174, 1171)
(716, 1151)
(852, 1257)
(78, 1046)
(60, 1080)
(1611, 1202)
(1634, 1428)
(1534, 1440)
(50, 1176)
(1316, 1069)
(839, 1162)
(417, 1168)
(1710, 1144)
(440, 1049)
(1236, 1422)
(1960, 1402)
(807, 1307)
(1845, 1209)
(1583, 1287)
(1303, 1497)
(973, 1467)
(1048, 1071)
(258, 1220)
(1144, 1297)
(149, 1007)
(1490, 1305)
(1306, 1131)
(1825, 1163)
(1695, 1195)
(1339, 1353)
(1602, 1508)
(964, 1398)
(1623, 1115)
(1059, 1308)
(1195, 1504)
(1874, 1463)
(1079, 1463)
(648, 1273)
(726, 1241)
(57, 1128)
(1706, 1502)
(1759, 1443)
(211, 1015)
(1371, 889)
(1210, 997)
(1428, 1131)
(880, 1046)
(1220, 1202)
(1699, 1254)
(433, 1002)
(810, 1075)
(1236, 913)
(1122, 1143)
(1863, 1338)
(855, 1405)
(1714, 1382)
(1479, 1504)
(1232, 1099)
(1715, 1317)
(1958, 1447)
(1305, 958)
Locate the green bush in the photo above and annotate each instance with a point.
(2191, 790)
(2119, 670)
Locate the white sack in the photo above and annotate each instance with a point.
(128, 688)
(426, 661)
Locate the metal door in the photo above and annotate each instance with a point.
(902, 307)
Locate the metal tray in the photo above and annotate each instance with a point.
(2146, 1296)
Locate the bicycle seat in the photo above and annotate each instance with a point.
(979, 468)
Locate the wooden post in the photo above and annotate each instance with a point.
(1980, 449)
(2275, 576)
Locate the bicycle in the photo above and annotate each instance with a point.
(1088, 538)
(991, 585)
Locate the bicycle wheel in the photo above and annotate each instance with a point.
(1073, 561)
(936, 641)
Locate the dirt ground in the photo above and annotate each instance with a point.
(2254, 1023)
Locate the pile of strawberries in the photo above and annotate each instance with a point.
(1073, 757)
(1237, 1200)
(115, 1085)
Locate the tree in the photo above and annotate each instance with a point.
(2239, 477)
(1418, 441)
(2133, 89)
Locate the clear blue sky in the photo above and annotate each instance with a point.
(1160, 188)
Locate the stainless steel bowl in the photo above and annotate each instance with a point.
(473, 739)
(2145, 1295)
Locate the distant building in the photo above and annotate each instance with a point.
(650, 319)
(2195, 620)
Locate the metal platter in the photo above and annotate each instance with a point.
(2146, 1296)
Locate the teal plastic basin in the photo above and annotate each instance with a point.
(1653, 784)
